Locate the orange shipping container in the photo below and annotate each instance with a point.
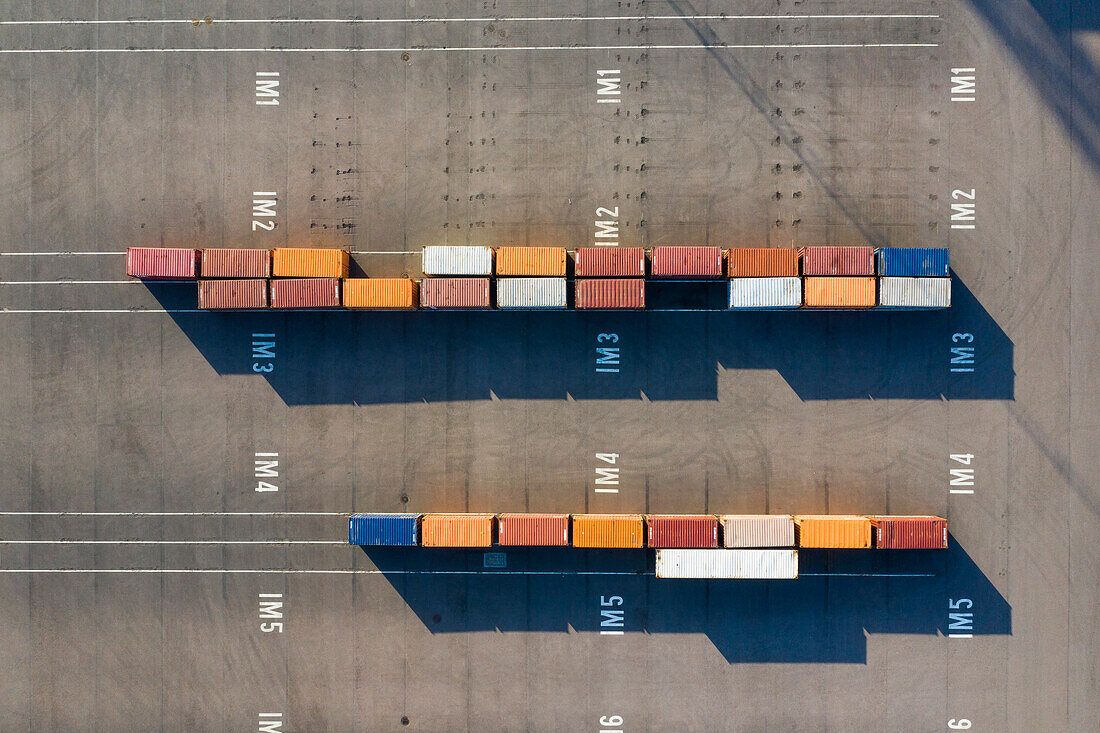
(456, 530)
(840, 292)
(833, 530)
(762, 262)
(531, 261)
(380, 292)
(292, 262)
(607, 530)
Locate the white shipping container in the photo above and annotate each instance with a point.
(734, 564)
(751, 530)
(531, 292)
(914, 292)
(765, 292)
(447, 260)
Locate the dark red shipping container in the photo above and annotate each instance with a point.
(838, 261)
(533, 530)
(310, 292)
(610, 262)
(232, 294)
(236, 263)
(910, 533)
(611, 294)
(693, 262)
(676, 530)
(162, 263)
(454, 292)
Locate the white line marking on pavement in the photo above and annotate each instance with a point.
(79, 282)
(173, 514)
(352, 571)
(476, 49)
(54, 254)
(498, 19)
(107, 310)
(173, 542)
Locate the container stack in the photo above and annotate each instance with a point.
(162, 263)
(457, 530)
(914, 278)
(607, 530)
(533, 530)
(380, 293)
(610, 278)
(457, 277)
(234, 279)
(728, 564)
(530, 278)
(764, 278)
(839, 277)
(686, 263)
(307, 277)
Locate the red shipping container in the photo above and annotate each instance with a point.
(310, 292)
(910, 533)
(838, 261)
(454, 292)
(611, 294)
(674, 530)
(693, 262)
(236, 263)
(162, 263)
(230, 294)
(533, 530)
(610, 262)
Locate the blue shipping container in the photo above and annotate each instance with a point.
(384, 529)
(913, 262)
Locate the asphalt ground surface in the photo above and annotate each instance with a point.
(134, 546)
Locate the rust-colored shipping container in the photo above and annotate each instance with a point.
(610, 262)
(838, 261)
(380, 292)
(532, 530)
(681, 530)
(310, 292)
(689, 262)
(454, 292)
(607, 530)
(232, 294)
(833, 530)
(530, 261)
(298, 262)
(762, 262)
(456, 530)
(162, 263)
(839, 292)
(236, 263)
(610, 293)
(910, 533)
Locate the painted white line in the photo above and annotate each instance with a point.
(173, 542)
(475, 49)
(78, 282)
(108, 310)
(54, 254)
(364, 252)
(173, 514)
(352, 571)
(497, 19)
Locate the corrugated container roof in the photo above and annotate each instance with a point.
(533, 530)
(236, 263)
(454, 292)
(838, 261)
(232, 294)
(530, 261)
(758, 530)
(610, 293)
(609, 262)
(607, 530)
(162, 263)
(380, 292)
(728, 564)
(914, 262)
(762, 262)
(681, 530)
(383, 529)
(457, 260)
(914, 292)
(309, 292)
(309, 262)
(457, 530)
(833, 530)
(531, 292)
(686, 262)
(765, 292)
(839, 292)
(910, 533)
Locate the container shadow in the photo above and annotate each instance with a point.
(824, 617)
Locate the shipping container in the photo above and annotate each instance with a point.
(839, 292)
(606, 294)
(162, 263)
(457, 530)
(531, 292)
(681, 530)
(910, 533)
(686, 262)
(380, 292)
(530, 261)
(384, 529)
(236, 263)
(838, 530)
(300, 262)
(607, 530)
(310, 292)
(533, 530)
(728, 564)
(454, 292)
(762, 262)
(610, 262)
(758, 530)
(913, 262)
(232, 294)
(838, 261)
(456, 260)
(765, 292)
(914, 292)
